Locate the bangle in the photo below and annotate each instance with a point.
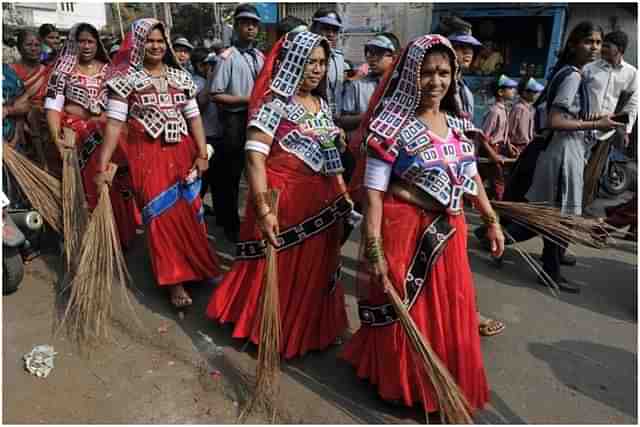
(373, 249)
(490, 218)
(203, 157)
(260, 199)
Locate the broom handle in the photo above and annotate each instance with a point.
(69, 140)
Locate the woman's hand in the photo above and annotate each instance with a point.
(496, 239)
(101, 179)
(605, 123)
(269, 228)
(380, 272)
(200, 165)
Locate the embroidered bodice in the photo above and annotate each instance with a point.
(86, 91)
(310, 137)
(160, 105)
(441, 167)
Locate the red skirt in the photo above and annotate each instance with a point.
(444, 311)
(312, 310)
(177, 237)
(89, 137)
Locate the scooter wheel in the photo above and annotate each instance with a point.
(12, 270)
(617, 180)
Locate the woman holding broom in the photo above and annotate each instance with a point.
(291, 147)
(420, 165)
(155, 98)
(76, 99)
(34, 76)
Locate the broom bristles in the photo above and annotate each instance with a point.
(42, 189)
(593, 172)
(75, 215)
(548, 220)
(101, 265)
(268, 363)
(453, 405)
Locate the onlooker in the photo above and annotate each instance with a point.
(496, 130)
(204, 66)
(613, 84)
(328, 23)
(291, 24)
(183, 51)
(50, 38)
(466, 47)
(521, 117)
(208, 40)
(231, 89)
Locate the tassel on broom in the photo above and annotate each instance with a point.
(268, 364)
(101, 263)
(75, 215)
(453, 405)
(43, 190)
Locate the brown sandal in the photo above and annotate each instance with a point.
(180, 299)
(491, 327)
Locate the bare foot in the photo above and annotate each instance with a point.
(179, 296)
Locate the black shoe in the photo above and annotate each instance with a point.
(563, 284)
(568, 259)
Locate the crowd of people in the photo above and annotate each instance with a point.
(393, 141)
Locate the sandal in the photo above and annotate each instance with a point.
(180, 299)
(490, 327)
(30, 255)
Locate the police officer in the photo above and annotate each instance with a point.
(380, 53)
(328, 23)
(231, 88)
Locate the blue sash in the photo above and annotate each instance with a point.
(169, 197)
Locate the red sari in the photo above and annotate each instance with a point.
(312, 311)
(446, 303)
(177, 238)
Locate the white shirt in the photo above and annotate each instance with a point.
(606, 83)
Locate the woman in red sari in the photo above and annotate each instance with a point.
(155, 98)
(420, 164)
(35, 77)
(291, 147)
(76, 99)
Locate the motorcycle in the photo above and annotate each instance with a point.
(616, 178)
(14, 221)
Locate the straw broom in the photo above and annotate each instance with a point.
(75, 215)
(42, 189)
(101, 265)
(453, 405)
(593, 172)
(559, 228)
(268, 364)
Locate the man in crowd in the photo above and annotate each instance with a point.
(183, 51)
(328, 23)
(231, 88)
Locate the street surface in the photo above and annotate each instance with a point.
(566, 359)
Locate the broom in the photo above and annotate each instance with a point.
(559, 228)
(453, 405)
(593, 172)
(42, 189)
(101, 262)
(268, 364)
(75, 215)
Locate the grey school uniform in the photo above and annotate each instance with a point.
(358, 93)
(236, 74)
(335, 81)
(559, 174)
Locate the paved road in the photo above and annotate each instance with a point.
(566, 359)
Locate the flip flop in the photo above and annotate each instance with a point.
(181, 300)
(491, 327)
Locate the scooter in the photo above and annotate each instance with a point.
(14, 221)
(616, 178)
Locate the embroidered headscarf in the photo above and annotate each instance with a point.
(283, 70)
(131, 53)
(68, 57)
(397, 98)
